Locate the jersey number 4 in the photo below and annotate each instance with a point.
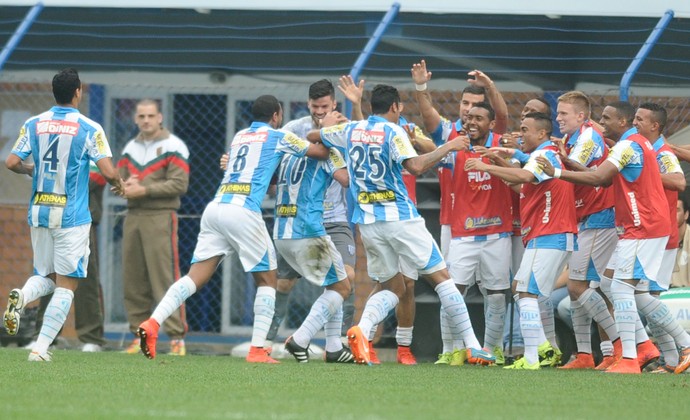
(50, 157)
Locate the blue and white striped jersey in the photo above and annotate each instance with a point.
(255, 153)
(375, 150)
(334, 205)
(302, 184)
(63, 142)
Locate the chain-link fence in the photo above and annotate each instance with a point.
(206, 119)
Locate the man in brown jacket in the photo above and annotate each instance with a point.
(154, 165)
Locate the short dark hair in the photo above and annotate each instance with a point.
(65, 84)
(624, 109)
(488, 107)
(264, 107)
(543, 120)
(322, 88)
(474, 90)
(382, 98)
(545, 102)
(658, 113)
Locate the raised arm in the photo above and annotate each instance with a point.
(353, 93)
(493, 95)
(420, 76)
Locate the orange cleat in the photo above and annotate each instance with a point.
(630, 366)
(647, 353)
(405, 356)
(606, 363)
(373, 357)
(617, 349)
(582, 361)
(684, 361)
(148, 335)
(259, 355)
(359, 345)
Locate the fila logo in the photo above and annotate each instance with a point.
(478, 176)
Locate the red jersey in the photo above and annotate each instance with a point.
(547, 208)
(515, 208)
(482, 204)
(445, 183)
(668, 163)
(410, 182)
(587, 147)
(639, 202)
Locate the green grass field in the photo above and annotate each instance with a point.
(115, 386)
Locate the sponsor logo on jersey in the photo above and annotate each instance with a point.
(482, 222)
(235, 188)
(367, 136)
(668, 165)
(375, 197)
(286, 210)
(57, 127)
(50, 199)
(100, 143)
(21, 140)
(586, 152)
(404, 147)
(245, 138)
(336, 158)
(296, 142)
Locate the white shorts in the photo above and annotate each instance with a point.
(595, 247)
(484, 262)
(315, 259)
(517, 249)
(387, 244)
(638, 259)
(539, 270)
(228, 228)
(445, 240)
(64, 251)
(408, 271)
(663, 279)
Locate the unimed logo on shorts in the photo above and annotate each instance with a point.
(50, 199)
(235, 188)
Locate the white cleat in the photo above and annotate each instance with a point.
(37, 357)
(11, 318)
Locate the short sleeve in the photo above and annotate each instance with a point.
(533, 166)
(290, 143)
(98, 146)
(22, 147)
(400, 146)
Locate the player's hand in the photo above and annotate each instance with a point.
(479, 78)
(460, 143)
(503, 152)
(118, 188)
(560, 143)
(419, 73)
(224, 159)
(410, 130)
(133, 188)
(333, 118)
(475, 164)
(511, 140)
(352, 91)
(545, 165)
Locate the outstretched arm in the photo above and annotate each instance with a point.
(493, 95)
(420, 76)
(353, 93)
(422, 163)
(508, 174)
(602, 176)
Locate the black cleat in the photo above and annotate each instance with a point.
(300, 354)
(343, 355)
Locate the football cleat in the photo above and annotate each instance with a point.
(343, 355)
(458, 357)
(521, 364)
(11, 318)
(443, 359)
(548, 355)
(684, 361)
(581, 361)
(405, 356)
(480, 357)
(629, 366)
(359, 345)
(373, 357)
(259, 355)
(647, 353)
(178, 348)
(606, 363)
(498, 354)
(37, 357)
(148, 335)
(134, 347)
(301, 354)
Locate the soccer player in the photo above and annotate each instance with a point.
(584, 148)
(232, 223)
(62, 142)
(481, 227)
(322, 101)
(377, 149)
(481, 89)
(639, 198)
(548, 227)
(650, 120)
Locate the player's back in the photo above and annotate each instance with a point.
(255, 153)
(62, 142)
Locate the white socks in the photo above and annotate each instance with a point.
(54, 318)
(176, 295)
(403, 336)
(658, 313)
(454, 305)
(264, 307)
(597, 309)
(377, 309)
(531, 327)
(625, 312)
(495, 320)
(582, 325)
(321, 311)
(547, 321)
(37, 287)
(332, 330)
